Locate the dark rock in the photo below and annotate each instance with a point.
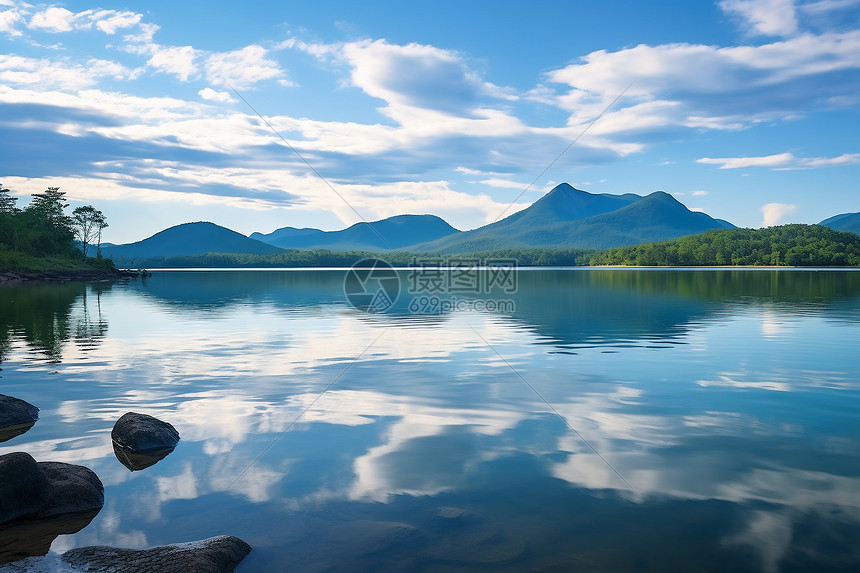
(23, 538)
(16, 417)
(23, 486)
(47, 489)
(136, 461)
(141, 433)
(213, 555)
(71, 489)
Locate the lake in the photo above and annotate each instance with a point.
(576, 420)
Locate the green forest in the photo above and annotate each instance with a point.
(785, 245)
(42, 237)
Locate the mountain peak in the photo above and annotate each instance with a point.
(566, 203)
(195, 238)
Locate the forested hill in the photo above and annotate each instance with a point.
(785, 245)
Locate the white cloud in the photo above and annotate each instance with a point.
(777, 160)
(781, 161)
(412, 76)
(767, 17)
(417, 75)
(9, 19)
(48, 74)
(134, 42)
(212, 95)
(709, 87)
(827, 6)
(775, 212)
(242, 68)
(54, 20)
(176, 60)
(109, 21)
(699, 193)
(57, 20)
(844, 159)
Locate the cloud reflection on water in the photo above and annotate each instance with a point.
(430, 412)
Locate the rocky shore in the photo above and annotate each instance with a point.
(66, 275)
(40, 501)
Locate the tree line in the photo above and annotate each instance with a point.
(42, 229)
(296, 258)
(784, 245)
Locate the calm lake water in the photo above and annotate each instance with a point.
(613, 420)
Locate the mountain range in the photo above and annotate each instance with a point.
(386, 234)
(568, 217)
(563, 218)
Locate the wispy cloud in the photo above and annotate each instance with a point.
(57, 20)
(691, 86)
(9, 21)
(242, 68)
(781, 161)
(768, 17)
(49, 74)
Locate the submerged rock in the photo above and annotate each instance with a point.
(16, 417)
(135, 461)
(141, 433)
(213, 555)
(45, 489)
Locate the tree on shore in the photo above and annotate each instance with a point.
(101, 224)
(7, 201)
(87, 224)
(48, 228)
(43, 230)
(8, 210)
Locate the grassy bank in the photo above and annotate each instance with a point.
(16, 267)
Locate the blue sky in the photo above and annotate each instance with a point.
(746, 109)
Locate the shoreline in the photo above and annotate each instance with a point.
(63, 275)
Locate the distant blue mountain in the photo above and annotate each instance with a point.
(386, 234)
(568, 217)
(186, 239)
(844, 222)
(564, 218)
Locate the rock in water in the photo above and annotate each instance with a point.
(141, 433)
(16, 411)
(214, 555)
(71, 489)
(16, 417)
(47, 489)
(23, 486)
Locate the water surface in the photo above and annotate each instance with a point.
(615, 420)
